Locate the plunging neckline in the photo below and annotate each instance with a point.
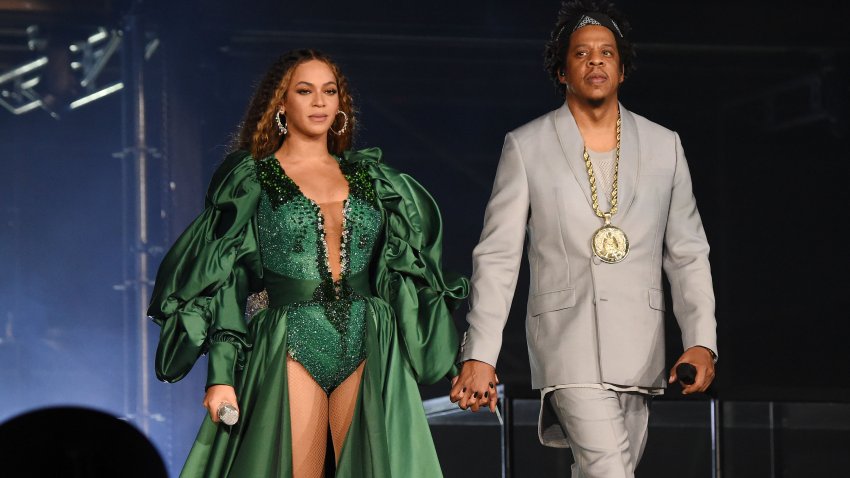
(309, 199)
(343, 260)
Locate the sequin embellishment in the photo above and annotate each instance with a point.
(325, 334)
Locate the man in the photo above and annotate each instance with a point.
(605, 199)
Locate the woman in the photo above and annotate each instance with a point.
(348, 252)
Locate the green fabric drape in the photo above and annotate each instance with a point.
(199, 301)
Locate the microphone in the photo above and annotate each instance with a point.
(228, 414)
(686, 373)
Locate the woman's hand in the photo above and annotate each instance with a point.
(475, 386)
(216, 395)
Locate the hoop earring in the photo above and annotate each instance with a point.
(281, 126)
(344, 125)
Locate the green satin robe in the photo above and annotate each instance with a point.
(199, 301)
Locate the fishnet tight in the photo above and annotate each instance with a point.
(311, 410)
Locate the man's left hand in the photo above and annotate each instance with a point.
(702, 360)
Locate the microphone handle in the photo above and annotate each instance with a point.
(228, 414)
(686, 373)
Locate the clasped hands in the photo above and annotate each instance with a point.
(475, 386)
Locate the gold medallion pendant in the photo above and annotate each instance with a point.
(610, 244)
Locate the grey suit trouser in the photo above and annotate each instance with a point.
(606, 430)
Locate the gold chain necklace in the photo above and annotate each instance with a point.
(609, 242)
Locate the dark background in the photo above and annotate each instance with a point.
(757, 92)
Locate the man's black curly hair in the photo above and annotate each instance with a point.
(571, 10)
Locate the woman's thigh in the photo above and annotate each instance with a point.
(341, 407)
(308, 412)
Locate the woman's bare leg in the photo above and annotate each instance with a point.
(308, 413)
(341, 407)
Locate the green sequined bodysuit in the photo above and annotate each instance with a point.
(325, 332)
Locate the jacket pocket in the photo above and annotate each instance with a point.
(656, 299)
(551, 301)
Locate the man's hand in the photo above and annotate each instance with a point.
(475, 386)
(216, 395)
(701, 359)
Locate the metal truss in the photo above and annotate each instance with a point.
(22, 89)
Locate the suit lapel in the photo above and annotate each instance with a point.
(572, 147)
(629, 163)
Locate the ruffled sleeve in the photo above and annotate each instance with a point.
(408, 270)
(204, 280)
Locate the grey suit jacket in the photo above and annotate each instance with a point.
(588, 321)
